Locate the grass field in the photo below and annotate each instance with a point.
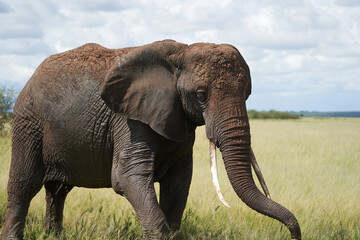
(311, 166)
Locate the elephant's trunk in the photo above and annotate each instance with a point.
(233, 135)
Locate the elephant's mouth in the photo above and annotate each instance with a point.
(214, 173)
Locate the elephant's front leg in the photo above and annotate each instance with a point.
(133, 177)
(174, 190)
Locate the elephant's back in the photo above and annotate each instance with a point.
(88, 61)
(64, 78)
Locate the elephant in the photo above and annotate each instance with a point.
(124, 119)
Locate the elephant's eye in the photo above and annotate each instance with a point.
(201, 95)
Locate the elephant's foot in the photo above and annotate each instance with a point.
(162, 233)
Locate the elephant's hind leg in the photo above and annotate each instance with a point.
(25, 177)
(55, 199)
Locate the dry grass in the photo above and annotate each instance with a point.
(311, 166)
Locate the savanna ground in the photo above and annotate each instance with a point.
(311, 166)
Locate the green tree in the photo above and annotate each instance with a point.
(7, 100)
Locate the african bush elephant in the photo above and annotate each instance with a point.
(126, 118)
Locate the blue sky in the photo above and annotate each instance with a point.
(303, 54)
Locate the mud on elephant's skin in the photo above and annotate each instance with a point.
(126, 118)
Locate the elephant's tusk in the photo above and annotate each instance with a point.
(214, 174)
(259, 174)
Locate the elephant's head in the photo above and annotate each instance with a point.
(171, 86)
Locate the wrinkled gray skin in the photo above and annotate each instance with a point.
(95, 117)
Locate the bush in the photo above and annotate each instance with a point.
(272, 114)
(7, 100)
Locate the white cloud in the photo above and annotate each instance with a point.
(348, 3)
(20, 31)
(295, 62)
(14, 69)
(294, 48)
(5, 8)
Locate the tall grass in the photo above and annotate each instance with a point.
(311, 166)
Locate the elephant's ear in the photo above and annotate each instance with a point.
(142, 86)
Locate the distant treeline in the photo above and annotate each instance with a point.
(272, 114)
(327, 114)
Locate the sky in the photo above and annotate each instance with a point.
(303, 54)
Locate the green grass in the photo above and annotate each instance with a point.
(311, 166)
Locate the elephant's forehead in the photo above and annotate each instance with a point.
(208, 52)
(217, 65)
